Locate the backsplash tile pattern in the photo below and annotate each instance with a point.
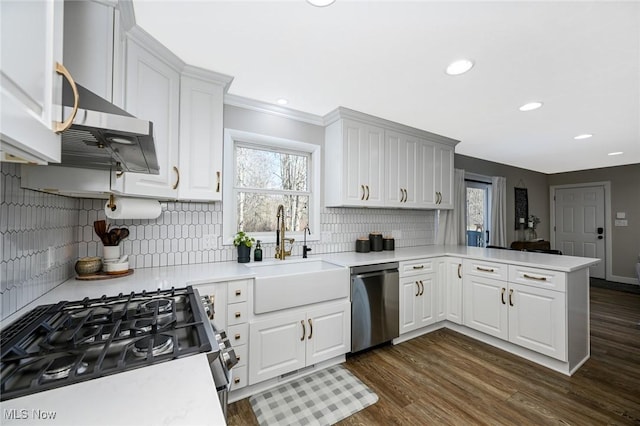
(35, 228)
(31, 222)
(175, 238)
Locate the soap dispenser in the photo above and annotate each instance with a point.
(257, 253)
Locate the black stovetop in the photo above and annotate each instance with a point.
(69, 342)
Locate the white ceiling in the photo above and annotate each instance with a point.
(581, 59)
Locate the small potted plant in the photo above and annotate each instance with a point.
(244, 243)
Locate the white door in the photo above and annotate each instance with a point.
(426, 301)
(454, 290)
(537, 320)
(409, 293)
(153, 93)
(579, 228)
(30, 90)
(328, 332)
(276, 346)
(485, 305)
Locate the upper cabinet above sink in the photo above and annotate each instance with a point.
(379, 163)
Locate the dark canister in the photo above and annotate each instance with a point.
(363, 245)
(376, 241)
(389, 243)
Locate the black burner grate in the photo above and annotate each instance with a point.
(70, 342)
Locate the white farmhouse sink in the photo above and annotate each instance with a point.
(284, 284)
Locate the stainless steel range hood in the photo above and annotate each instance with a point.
(106, 137)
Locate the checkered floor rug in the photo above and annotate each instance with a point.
(321, 398)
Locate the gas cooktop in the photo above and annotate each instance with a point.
(69, 342)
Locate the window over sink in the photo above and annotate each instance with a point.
(269, 171)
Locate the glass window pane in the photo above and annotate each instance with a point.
(475, 209)
(265, 169)
(257, 212)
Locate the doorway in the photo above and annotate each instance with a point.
(578, 219)
(478, 214)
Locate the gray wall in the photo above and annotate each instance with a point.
(625, 197)
(536, 184)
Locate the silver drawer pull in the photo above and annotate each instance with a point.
(484, 269)
(531, 277)
(238, 292)
(419, 267)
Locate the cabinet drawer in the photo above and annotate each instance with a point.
(237, 291)
(415, 267)
(241, 354)
(239, 377)
(236, 313)
(238, 334)
(479, 268)
(542, 278)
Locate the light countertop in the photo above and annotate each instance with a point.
(176, 392)
(183, 392)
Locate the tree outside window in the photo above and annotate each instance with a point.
(266, 178)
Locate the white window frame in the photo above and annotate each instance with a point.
(229, 192)
(482, 182)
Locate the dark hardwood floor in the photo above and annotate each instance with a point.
(447, 378)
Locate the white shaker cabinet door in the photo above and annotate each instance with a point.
(537, 320)
(328, 332)
(454, 290)
(153, 93)
(201, 133)
(485, 305)
(31, 33)
(276, 346)
(444, 176)
(363, 152)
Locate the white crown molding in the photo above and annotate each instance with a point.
(255, 105)
(208, 76)
(127, 14)
(147, 41)
(342, 112)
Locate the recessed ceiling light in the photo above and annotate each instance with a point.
(530, 106)
(584, 136)
(320, 3)
(615, 153)
(459, 67)
(282, 101)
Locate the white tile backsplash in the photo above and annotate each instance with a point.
(31, 222)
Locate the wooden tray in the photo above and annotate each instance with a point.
(104, 275)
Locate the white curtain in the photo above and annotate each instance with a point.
(498, 235)
(452, 223)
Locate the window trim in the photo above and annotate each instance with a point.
(229, 216)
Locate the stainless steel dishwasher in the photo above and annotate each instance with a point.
(374, 305)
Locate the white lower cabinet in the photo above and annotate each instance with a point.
(537, 320)
(453, 284)
(526, 315)
(417, 304)
(292, 340)
(418, 294)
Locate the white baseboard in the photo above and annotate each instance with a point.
(624, 280)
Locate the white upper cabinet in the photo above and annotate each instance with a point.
(354, 164)
(402, 169)
(444, 176)
(89, 45)
(31, 88)
(201, 134)
(371, 162)
(152, 92)
(435, 175)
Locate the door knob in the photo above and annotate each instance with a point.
(600, 231)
